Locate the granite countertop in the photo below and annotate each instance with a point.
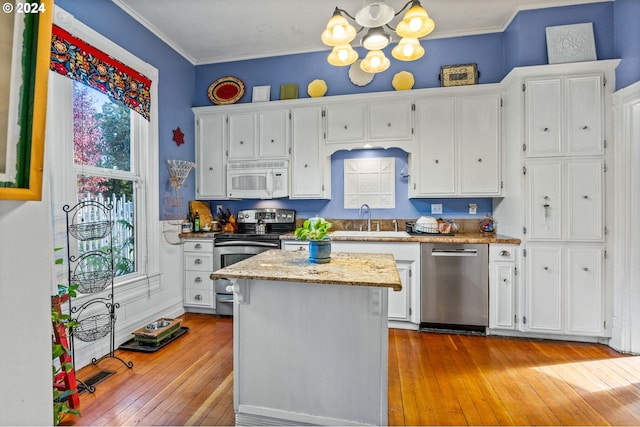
(353, 269)
(456, 238)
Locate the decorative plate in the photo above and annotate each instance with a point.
(403, 81)
(358, 76)
(317, 88)
(226, 90)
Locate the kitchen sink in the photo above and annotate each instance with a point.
(353, 233)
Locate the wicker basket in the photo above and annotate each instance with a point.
(90, 282)
(93, 328)
(91, 230)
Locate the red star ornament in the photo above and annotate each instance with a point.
(178, 136)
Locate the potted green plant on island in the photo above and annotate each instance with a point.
(316, 231)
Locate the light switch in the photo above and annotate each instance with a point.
(473, 208)
(436, 208)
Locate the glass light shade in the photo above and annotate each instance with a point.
(374, 13)
(338, 31)
(416, 23)
(342, 55)
(376, 39)
(408, 49)
(375, 62)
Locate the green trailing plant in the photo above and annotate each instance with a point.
(314, 229)
(58, 318)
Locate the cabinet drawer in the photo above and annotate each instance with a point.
(198, 262)
(198, 280)
(198, 246)
(502, 252)
(198, 297)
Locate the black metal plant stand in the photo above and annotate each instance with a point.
(92, 270)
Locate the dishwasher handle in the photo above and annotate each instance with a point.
(454, 252)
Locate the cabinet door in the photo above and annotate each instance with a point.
(544, 190)
(543, 105)
(434, 171)
(399, 300)
(346, 123)
(585, 134)
(307, 177)
(544, 289)
(390, 121)
(210, 168)
(242, 136)
(585, 293)
(502, 295)
(585, 201)
(478, 122)
(274, 134)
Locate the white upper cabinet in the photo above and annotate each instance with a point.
(434, 169)
(564, 116)
(479, 142)
(210, 166)
(242, 136)
(346, 123)
(258, 135)
(459, 147)
(390, 121)
(378, 120)
(308, 168)
(273, 134)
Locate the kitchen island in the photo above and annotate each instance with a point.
(311, 340)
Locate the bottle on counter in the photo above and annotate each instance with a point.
(186, 225)
(196, 223)
(190, 221)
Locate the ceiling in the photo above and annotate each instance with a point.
(213, 31)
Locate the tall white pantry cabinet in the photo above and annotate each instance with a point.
(556, 198)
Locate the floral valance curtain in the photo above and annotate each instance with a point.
(82, 62)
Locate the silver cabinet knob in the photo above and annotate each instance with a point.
(272, 141)
(479, 160)
(437, 161)
(546, 268)
(546, 129)
(586, 268)
(198, 279)
(585, 197)
(241, 142)
(198, 246)
(504, 280)
(388, 125)
(198, 261)
(585, 127)
(346, 126)
(198, 297)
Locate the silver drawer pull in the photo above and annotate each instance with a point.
(198, 246)
(198, 261)
(505, 253)
(198, 279)
(197, 297)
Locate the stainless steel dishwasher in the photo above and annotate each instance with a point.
(454, 286)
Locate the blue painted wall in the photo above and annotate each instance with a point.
(627, 41)
(526, 42)
(523, 43)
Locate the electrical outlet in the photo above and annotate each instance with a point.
(473, 208)
(218, 208)
(436, 208)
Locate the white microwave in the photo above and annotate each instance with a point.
(258, 180)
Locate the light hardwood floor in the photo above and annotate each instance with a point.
(434, 379)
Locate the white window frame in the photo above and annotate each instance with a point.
(63, 173)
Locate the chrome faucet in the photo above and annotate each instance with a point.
(368, 215)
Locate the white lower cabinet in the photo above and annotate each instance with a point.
(402, 304)
(199, 294)
(503, 286)
(565, 292)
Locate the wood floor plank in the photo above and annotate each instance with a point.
(434, 379)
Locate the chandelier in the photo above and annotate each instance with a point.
(373, 16)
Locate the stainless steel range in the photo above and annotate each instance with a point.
(258, 230)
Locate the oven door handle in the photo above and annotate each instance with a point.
(246, 243)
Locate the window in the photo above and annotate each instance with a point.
(105, 169)
(102, 150)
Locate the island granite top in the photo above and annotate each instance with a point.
(353, 269)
